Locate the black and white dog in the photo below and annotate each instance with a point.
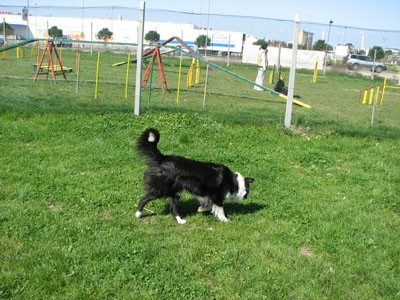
(169, 175)
(280, 87)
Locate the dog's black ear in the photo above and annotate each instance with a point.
(249, 180)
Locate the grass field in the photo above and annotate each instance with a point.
(321, 222)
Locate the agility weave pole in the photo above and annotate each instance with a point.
(372, 95)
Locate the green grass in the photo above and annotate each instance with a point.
(321, 222)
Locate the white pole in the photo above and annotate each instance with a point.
(27, 22)
(292, 75)
(91, 37)
(229, 51)
(205, 88)
(279, 55)
(374, 104)
(139, 55)
(373, 66)
(4, 30)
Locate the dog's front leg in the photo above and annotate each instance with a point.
(174, 208)
(218, 211)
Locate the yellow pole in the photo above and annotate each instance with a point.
(33, 50)
(271, 76)
(364, 101)
(78, 68)
(377, 95)
(197, 71)
(179, 79)
(127, 75)
(61, 48)
(76, 59)
(37, 54)
(190, 75)
(97, 76)
(315, 75)
(19, 52)
(383, 90)
(371, 96)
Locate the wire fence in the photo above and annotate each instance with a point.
(267, 28)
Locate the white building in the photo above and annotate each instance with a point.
(125, 31)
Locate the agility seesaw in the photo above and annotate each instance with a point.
(199, 57)
(149, 52)
(16, 45)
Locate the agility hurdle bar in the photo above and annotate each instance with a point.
(385, 86)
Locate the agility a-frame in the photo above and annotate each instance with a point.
(156, 55)
(55, 69)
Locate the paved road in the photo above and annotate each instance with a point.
(389, 75)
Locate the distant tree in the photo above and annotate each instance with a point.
(380, 53)
(261, 42)
(54, 32)
(202, 41)
(104, 34)
(321, 45)
(152, 36)
(388, 52)
(7, 27)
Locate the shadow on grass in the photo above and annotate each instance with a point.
(189, 208)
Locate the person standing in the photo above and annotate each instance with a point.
(262, 62)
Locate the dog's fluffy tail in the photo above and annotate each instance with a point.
(147, 146)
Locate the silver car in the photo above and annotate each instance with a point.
(357, 61)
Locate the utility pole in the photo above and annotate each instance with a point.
(327, 43)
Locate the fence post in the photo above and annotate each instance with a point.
(139, 55)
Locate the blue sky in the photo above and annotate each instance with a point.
(382, 14)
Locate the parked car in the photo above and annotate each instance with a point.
(357, 61)
(64, 41)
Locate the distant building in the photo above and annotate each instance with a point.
(306, 39)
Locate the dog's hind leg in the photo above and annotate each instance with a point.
(143, 201)
(205, 204)
(174, 208)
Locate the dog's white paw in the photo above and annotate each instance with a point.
(218, 211)
(224, 219)
(180, 220)
(138, 214)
